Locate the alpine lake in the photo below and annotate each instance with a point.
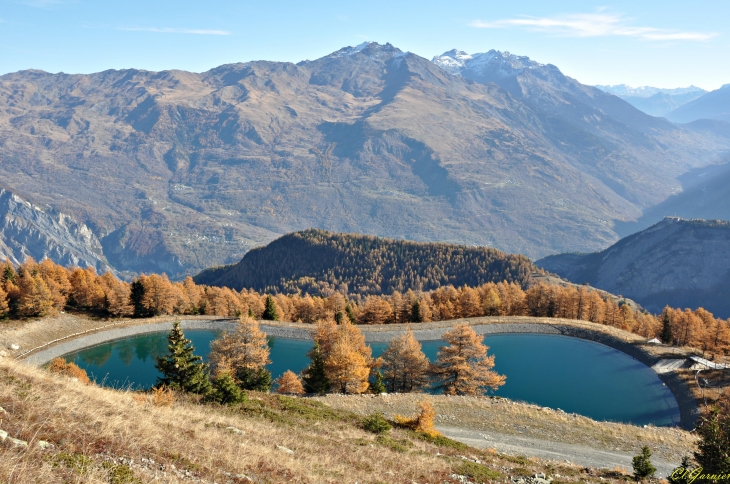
(575, 375)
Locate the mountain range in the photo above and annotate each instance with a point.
(176, 171)
(713, 105)
(653, 100)
(676, 262)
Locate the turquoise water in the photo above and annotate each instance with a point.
(553, 371)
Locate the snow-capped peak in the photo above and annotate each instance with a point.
(455, 61)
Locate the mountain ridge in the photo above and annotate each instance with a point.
(177, 171)
(676, 262)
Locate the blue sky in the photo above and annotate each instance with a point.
(650, 42)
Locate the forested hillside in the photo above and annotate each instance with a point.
(320, 262)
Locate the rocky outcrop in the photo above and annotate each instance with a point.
(27, 230)
(680, 263)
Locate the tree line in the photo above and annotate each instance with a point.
(340, 362)
(40, 289)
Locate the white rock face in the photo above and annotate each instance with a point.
(27, 230)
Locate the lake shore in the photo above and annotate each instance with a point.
(624, 341)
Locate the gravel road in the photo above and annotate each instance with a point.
(544, 449)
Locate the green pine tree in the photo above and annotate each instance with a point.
(642, 464)
(270, 312)
(314, 378)
(181, 369)
(713, 448)
(258, 379)
(683, 473)
(416, 312)
(378, 386)
(225, 391)
(136, 297)
(667, 336)
(350, 313)
(250, 313)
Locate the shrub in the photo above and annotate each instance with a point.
(421, 423)
(376, 423)
(162, 396)
(478, 472)
(225, 391)
(71, 370)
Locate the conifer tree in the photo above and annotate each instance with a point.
(136, 297)
(225, 391)
(181, 369)
(270, 311)
(314, 377)
(378, 386)
(643, 467)
(463, 367)
(289, 383)
(35, 297)
(492, 303)
(713, 448)
(346, 368)
(4, 306)
(245, 354)
(405, 367)
(666, 335)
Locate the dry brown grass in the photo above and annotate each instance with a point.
(512, 418)
(108, 436)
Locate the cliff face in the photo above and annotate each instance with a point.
(680, 263)
(27, 230)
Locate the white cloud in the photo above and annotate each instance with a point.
(176, 31)
(591, 25)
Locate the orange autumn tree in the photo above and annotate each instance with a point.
(289, 383)
(463, 367)
(243, 354)
(4, 307)
(405, 367)
(35, 297)
(348, 361)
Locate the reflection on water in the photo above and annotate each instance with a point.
(553, 371)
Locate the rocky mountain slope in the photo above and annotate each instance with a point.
(680, 263)
(27, 230)
(713, 105)
(177, 171)
(653, 100)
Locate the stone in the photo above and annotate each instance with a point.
(17, 442)
(284, 449)
(3, 435)
(3, 354)
(3, 411)
(45, 445)
(14, 347)
(234, 430)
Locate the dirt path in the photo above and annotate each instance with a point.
(544, 449)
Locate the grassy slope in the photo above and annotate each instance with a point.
(103, 435)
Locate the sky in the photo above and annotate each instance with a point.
(664, 43)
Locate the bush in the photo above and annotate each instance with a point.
(376, 424)
(478, 472)
(71, 370)
(225, 391)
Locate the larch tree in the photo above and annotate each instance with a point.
(492, 303)
(181, 368)
(244, 354)
(35, 297)
(347, 370)
(405, 367)
(376, 310)
(4, 306)
(463, 367)
(289, 383)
